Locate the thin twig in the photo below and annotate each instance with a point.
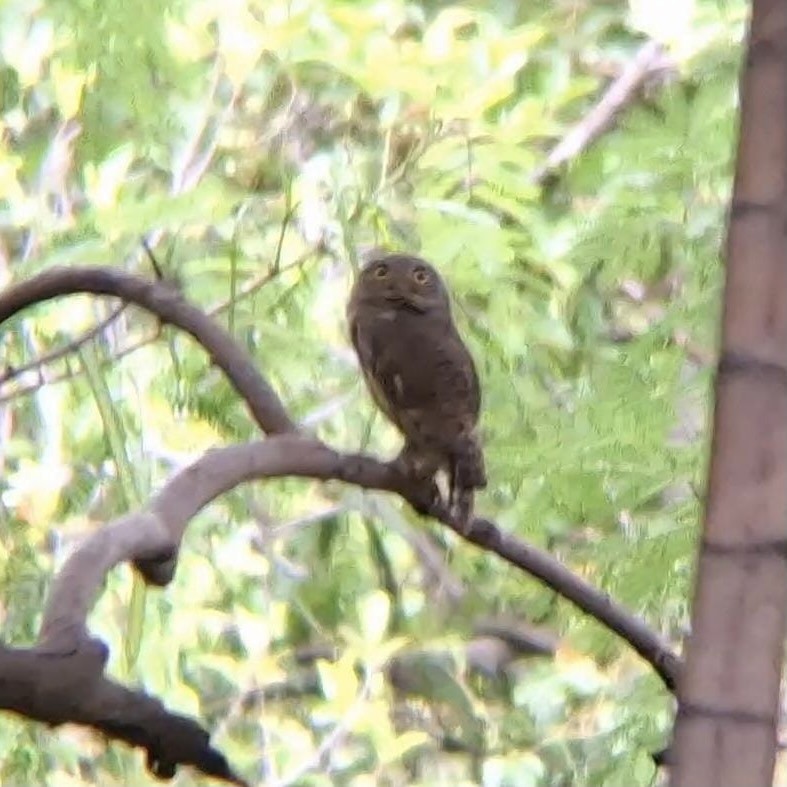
(193, 163)
(73, 346)
(250, 288)
(169, 305)
(332, 739)
(649, 59)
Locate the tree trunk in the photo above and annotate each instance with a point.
(725, 731)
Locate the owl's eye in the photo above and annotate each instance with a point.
(421, 275)
(381, 271)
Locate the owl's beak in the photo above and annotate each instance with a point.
(404, 303)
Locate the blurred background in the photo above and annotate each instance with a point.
(566, 166)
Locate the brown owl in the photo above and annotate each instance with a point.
(419, 371)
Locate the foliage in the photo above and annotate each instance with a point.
(261, 146)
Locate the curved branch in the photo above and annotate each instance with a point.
(71, 687)
(152, 537)
(249, 288)
(159, 528)
(588, 598)
(171, 307)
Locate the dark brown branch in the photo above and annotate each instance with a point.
(169, 306)
(248, 289)
(56, 688)
(554, 574)
(152, 537)
(270, 414)
(159, 528)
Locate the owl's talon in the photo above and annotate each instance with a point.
(465, 521)
(420, 508)
(402, 466)
(426, 498)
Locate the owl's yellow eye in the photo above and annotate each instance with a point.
(421, 275)
(381, 271)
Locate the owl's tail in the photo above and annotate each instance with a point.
(468, 473)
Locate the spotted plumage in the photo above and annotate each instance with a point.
(419, 371)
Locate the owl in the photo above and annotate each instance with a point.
(419, 372)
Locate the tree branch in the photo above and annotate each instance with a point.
(159, 528)
(55, 688)
(170, 306)
(649, 60)
(156, 556)
(151, 538)
(10, 372)
(252, 286)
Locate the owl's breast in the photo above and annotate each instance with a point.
(408, 320)
(398, 326)
(386, 316)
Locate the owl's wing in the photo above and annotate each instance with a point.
(417, 368)
(456, 378)
(424, 375)
(426, 382)
(379, 376)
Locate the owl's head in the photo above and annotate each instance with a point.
(401, 281)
